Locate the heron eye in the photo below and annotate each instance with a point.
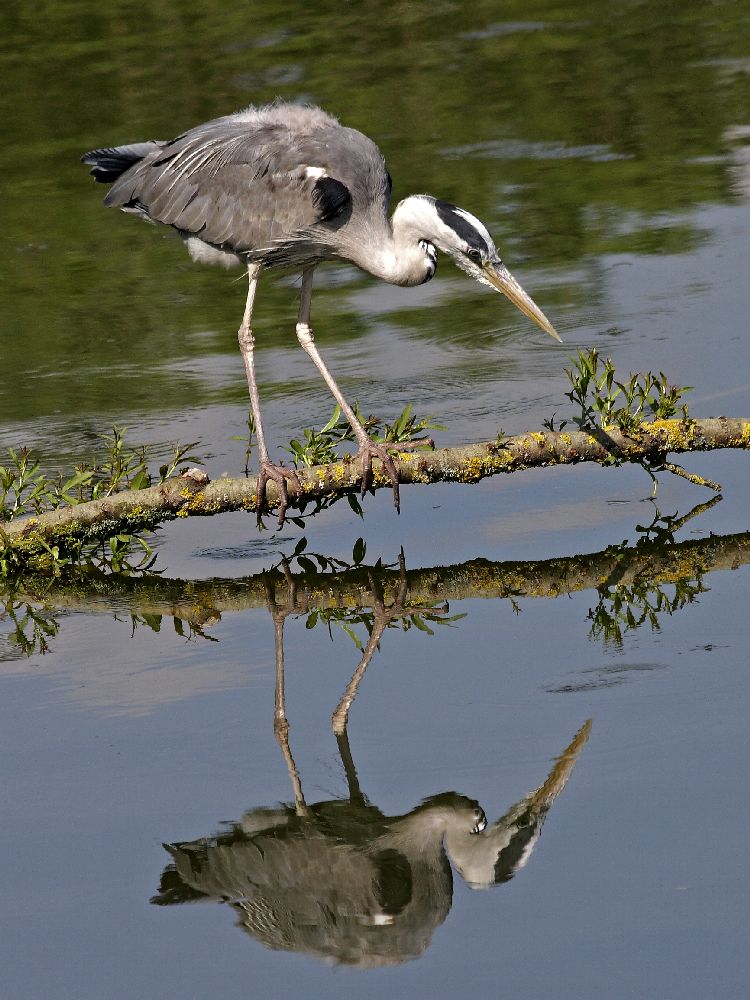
(474, 255)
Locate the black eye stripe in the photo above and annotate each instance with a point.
(450, 217)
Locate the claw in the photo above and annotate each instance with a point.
(366, 454)
(373, 449)
(279, 475)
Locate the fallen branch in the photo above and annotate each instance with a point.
(193, 495)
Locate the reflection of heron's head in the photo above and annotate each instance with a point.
(451, 811)
(503, 849)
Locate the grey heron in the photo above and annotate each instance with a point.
(287, 186)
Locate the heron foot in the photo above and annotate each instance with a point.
(373, 449)
(279, 475)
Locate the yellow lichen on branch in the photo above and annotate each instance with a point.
(193, 495)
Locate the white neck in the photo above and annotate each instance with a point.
(397, 256)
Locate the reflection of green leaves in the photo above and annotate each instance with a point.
(661, 531)
(401, 614)
(358, 552)
(31, 628)
(623, 609)
(416, 616)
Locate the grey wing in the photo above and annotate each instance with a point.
(236, 186)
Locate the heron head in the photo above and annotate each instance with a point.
(464, 238)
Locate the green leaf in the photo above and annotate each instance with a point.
(358, 552)
(421, 625)
(353, 636)
(333, 421)
(153, 622)
(355, 505)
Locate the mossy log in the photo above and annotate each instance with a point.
(193, 495)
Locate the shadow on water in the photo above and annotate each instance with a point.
(340, 880)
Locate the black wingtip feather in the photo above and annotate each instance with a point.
(110, 162)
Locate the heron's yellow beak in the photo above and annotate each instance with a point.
(500, 278)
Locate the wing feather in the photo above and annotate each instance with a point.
(240, 184)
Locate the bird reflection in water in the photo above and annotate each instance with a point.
(340, 880)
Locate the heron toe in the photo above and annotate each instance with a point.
(279, 475)
(369, 451)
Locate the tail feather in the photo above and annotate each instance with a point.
(110, 162)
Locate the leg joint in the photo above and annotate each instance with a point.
(304, 334)
(246, 338)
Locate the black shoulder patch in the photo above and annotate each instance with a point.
(461, 226)
(331, 198)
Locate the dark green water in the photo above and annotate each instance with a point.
(605, 147)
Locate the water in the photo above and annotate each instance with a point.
(605, 148)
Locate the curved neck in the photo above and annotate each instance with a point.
(392, 251)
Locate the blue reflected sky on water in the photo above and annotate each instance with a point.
(608, 155)
(640, 854)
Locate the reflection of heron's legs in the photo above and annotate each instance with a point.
(341, 714)
(280, 721)
(356, 794)
(382, 618)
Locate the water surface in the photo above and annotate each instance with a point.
(605, 147)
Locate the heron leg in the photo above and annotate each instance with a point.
(368, 449)
(267, 470)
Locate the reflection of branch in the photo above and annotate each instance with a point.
(204, 600)
(350, 595)
(192, 495)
